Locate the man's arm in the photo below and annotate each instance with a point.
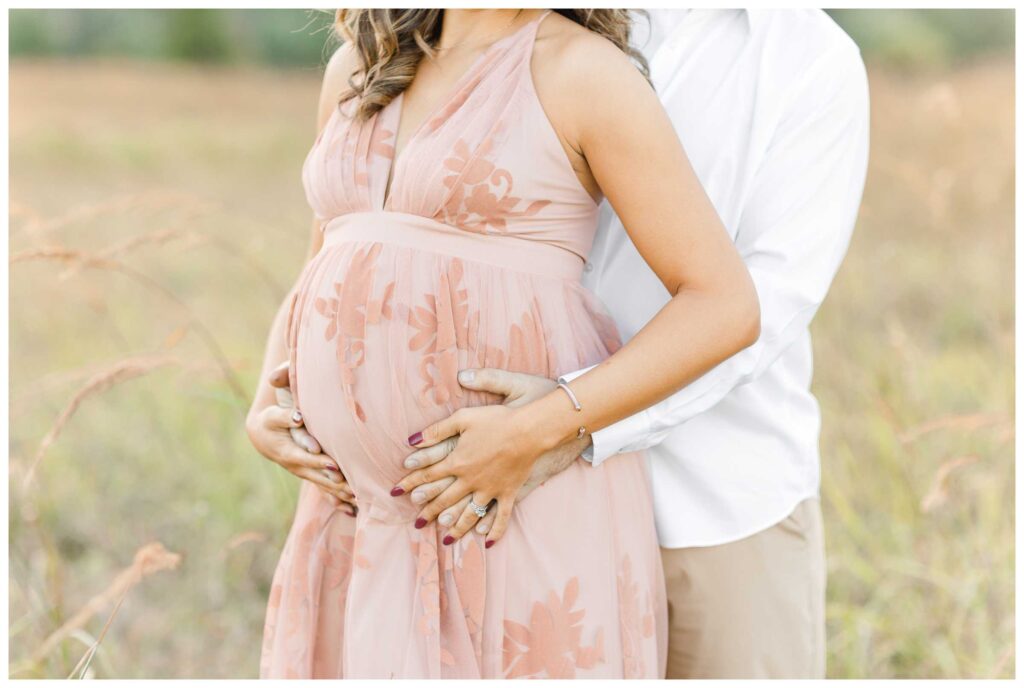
(793, 233)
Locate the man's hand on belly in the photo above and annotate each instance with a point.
(518, 390)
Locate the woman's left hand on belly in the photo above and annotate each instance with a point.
(491, 461)
(482, 454)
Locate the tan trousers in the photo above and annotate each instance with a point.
(754, 608)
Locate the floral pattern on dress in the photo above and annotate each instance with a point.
(296, 614)
(550, 646)
(350, 311)
(428, 584)
(481, 197)
(528, 348)
(270, 625)
(635, 624)
(381, 147)
(337, 560)
(470, 577)
(430, 591)
(442, 328)
(378, 142)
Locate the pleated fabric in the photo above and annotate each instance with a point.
(473, 260)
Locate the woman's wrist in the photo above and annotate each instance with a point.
(551, 421)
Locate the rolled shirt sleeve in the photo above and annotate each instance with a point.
(793, 232)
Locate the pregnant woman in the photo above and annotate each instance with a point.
(456, 199)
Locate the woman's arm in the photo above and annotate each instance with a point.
(796, 222)
(615, 120)
(634, 154)
(270, 426)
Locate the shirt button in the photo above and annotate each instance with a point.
(588, 267)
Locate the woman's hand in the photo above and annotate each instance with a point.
(492, 460)
(278, 433)
(550, 464)
(518, 389)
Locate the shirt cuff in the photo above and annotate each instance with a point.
(569, 377)
(617, 437)
(588, 453)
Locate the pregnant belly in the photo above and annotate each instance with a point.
(379, 331)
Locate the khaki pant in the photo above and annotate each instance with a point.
(754, 608)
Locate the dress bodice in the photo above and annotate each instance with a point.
(486, 160)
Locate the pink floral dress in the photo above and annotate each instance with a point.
(473, 260)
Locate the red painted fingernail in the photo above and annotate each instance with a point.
(351, 513)
(397, 492)
(448, 539)
(415, 439)
(420, 522)
(487, 545)
(331, 467)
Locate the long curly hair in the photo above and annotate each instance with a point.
(391, 42)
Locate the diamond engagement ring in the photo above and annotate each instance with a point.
(480, 511)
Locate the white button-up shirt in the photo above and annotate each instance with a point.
(772, 109)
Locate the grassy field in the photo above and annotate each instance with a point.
(157, 219)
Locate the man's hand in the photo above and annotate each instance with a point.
(518, 389)
(278, 434)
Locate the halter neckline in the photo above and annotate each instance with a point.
(467, 75)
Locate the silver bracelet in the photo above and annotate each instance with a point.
(576, 404)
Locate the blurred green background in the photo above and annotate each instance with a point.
(157, 219)
(906, 38)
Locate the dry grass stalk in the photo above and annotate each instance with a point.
(119, 204)
(175, 336)
(121, 248)
(149, 559)
(243, 538)
(64, 255)
(101, 381)
(971, 421)
(81, 669)
(938, 494)
(160, 236)
(82, 258)
(51, 382)
(236, 252)
(103, 259)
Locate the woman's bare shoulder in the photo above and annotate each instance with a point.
(576, 70)
(342, 64)
(572, 54)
